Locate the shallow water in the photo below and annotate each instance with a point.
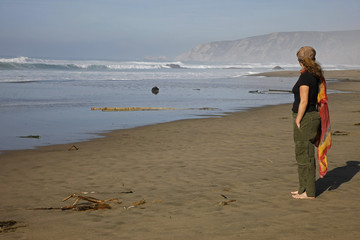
(53, 99)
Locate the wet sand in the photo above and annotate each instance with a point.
(186, 171)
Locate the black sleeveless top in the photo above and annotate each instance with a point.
(307, 79)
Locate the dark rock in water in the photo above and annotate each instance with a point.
(277, 68)
(171, 65)
(155, 90)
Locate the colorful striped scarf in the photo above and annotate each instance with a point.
(323, 142)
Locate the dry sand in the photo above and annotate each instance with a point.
(183, 170)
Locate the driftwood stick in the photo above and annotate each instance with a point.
(223, 203)
(104, 109)
(139, 203)
(46, 208)
(76, 201)
(89, 199)
(279, 90)
(114, 109)
(73, 147)
(86, 207)
(136, 204)
(92, 203)
(31, 136)
(70, 196)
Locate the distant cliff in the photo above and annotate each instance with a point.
(337, 47)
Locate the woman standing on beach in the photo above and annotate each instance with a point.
(306, 121)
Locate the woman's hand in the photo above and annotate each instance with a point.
(298, 124)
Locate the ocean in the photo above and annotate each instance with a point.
(46, 102)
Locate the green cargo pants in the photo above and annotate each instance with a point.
(305, 151)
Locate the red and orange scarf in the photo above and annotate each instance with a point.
(323, 142)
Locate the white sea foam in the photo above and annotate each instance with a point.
(22, 62)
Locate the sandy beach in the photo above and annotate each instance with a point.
(217, 178)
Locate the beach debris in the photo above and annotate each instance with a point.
(127, 192)
(114, 109)
(280, 90)
(270, 91)
(357, 124)
(73, 147)
(141, 202)
(9, 226)
(155, 90)
(340, 133)
(223, 196)
(92, 203)
(256, 92)
(269, 160)
(86, 207)
(223, 203)
(203, 109)
(110, 109)
(92, 192)
(31, 136)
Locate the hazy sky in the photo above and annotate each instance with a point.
(132, 29)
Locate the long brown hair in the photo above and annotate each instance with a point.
(306, 56)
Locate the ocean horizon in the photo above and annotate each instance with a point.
(46, 102)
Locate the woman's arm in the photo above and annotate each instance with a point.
(304, 96)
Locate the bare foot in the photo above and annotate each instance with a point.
(302, 196)
(294, 193)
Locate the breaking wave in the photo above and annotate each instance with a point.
(26, 63)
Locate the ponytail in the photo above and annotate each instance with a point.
(313, 67)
